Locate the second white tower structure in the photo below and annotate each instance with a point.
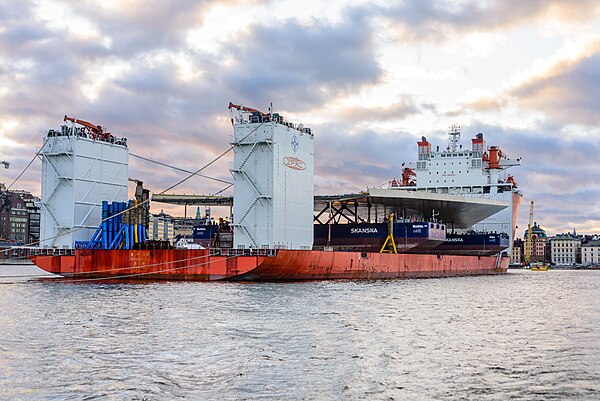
(273, 174)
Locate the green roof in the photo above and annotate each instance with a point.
(535, 230)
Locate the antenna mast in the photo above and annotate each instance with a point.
(454, 135)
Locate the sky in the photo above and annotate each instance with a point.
(369, 78)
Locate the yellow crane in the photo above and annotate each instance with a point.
(529, 243)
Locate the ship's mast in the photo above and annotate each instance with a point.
(454, 135)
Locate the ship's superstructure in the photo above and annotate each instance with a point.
(273, 181)
(478, 171)
(82, 166)
(462, 171)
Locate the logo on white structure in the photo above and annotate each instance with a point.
(295, 143)
(294, 163)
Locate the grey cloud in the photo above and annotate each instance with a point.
(154, 24)
(302, 66)
(355, 160)
(569, 93)
(399, 110)
(558, 213)
(12, 11)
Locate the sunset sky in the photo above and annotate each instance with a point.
(370, 78)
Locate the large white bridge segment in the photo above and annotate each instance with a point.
(462, 211)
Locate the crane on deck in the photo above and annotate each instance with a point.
(95, 130)
(248, 109)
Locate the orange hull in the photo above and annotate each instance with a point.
(287, 265)
(320, 265)
(155, 264)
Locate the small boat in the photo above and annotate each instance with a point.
(539, 267)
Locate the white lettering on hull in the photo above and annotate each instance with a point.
(368, 230)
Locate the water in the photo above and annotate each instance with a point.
(525, 335)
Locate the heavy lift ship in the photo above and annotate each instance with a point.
(282, 232)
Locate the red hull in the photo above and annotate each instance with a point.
(320, 265)
(287, 265)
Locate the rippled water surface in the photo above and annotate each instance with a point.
(524, 335)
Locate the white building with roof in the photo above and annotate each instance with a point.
(565, 249)
(590, 253)
(161, 228)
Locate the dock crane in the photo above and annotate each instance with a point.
(529, 244)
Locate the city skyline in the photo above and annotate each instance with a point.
(369, 78)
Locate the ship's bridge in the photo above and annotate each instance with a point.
(377, 203)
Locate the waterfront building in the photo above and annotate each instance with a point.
(517, 255)
(19, 217)
(539, 241)
(565, 249)
(590, 253)
(32, 204)
(161, 227)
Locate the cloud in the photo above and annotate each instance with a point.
(301, 66)
(429, 20)
(142, 26)
(569, 92)
(349, 159)
(399, 110)
(480, 105)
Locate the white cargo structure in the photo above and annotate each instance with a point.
(80, 169)
(273, 182)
